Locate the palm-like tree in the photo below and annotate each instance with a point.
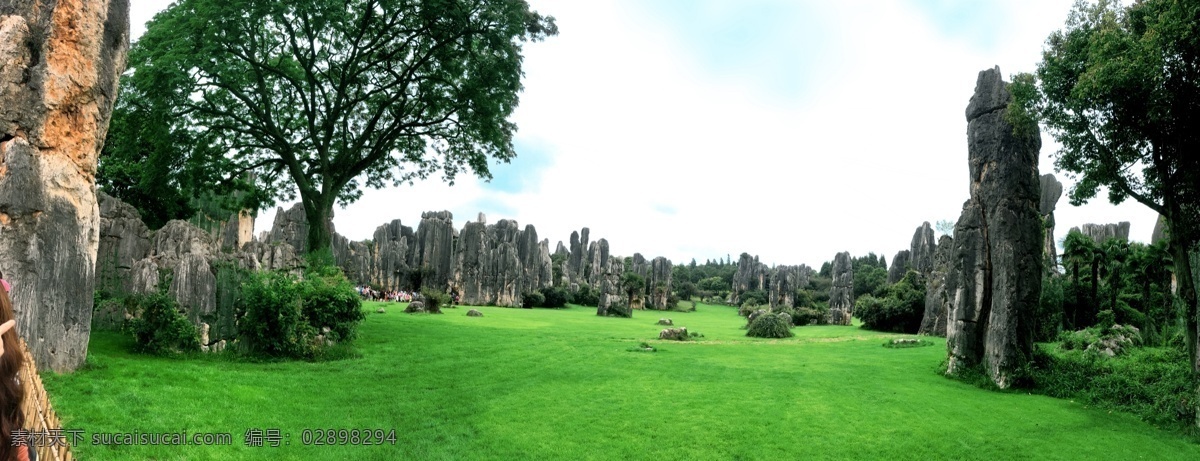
(1078, 250)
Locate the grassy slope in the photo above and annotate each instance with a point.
(543, 384)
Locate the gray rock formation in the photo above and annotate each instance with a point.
(435, 249)
(1101, 233)
(177, 239)
(474, 313)
(785, 280)
(658, 284)
(355, 258)
(997, 242)
(937, 296)
(59, 67)
(1160, 230)
(259, 255)
(578, 259)
(665, 322)
(751, 275)
(638, 265)
(291, 227)
(901, 263)
(395, 246)
(124, 239)
(1051, 191)
(921, 249)
(841, 294)
(237, 231)
(499, 263)
(613, 301)
(535, 264)
(194, 286)
(674, 334)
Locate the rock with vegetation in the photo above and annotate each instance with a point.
(997, 241)
(598, 262)
(785, 280)
(613, 301)
(61, 62)
(1160, 230)
(674, 334)
(901, 263)
(666, 322)
(937, 296)
(291, 227)
(237, 231)
(415, 307)
(751, 275)
(1051, 191)
(841, 293)
(474, 313)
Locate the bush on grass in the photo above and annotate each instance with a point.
(435, 300)
(586, 296)
(162, 328)
(769, 326)
(555, 297)
(330, 301)
(532, 300)
(273, 325)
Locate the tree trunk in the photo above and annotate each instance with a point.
(319, 212)
(1187, 291)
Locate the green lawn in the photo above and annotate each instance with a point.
(560, 384)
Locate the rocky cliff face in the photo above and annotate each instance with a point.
(393, 252)
(937, 294)
(124, 239)
(59, 67)
(613, 301)
(997, 241)
(751, 275)
(841, 294)
(901, 263)
(435, 249)
(658, 284)
(785, 280)
(1051, 191)
(922, 249)
(1101, 233)
(291, 227)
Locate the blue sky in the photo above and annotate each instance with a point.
(784, 128)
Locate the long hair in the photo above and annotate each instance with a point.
(12, 392)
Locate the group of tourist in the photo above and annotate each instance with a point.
(371, 294)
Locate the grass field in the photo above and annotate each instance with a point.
(561, 384)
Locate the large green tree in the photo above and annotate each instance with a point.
(1119, 87)
(320, 98)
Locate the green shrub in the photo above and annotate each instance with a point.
(901, 311)
(330, 301)
(531, 300)
(586, 296)
(435, 300)
(1154, 383)
(769, 326)
(555, 297)
(810, 315)
(272, 325)
(753, 297)
(163, 328)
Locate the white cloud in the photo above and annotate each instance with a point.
(660, 154)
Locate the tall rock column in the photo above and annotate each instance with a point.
(1051, 191)
(841, 294)
(937, 292)
(998, 241)
(59, 67)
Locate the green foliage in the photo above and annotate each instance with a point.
(162, 327)
(532, 300)
(273, 325)
(643, 347)
(1154, 383)
(769, 326)
(1048, 318)
(435, 300)
(802, 316)
(330, 301)
(900, 311)
(632, 283)
(325, 97)
(555, 297)
(870, 279)
(754, 297)
(586, 296)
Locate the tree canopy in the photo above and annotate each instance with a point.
(1119, 88)
(320, 98)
